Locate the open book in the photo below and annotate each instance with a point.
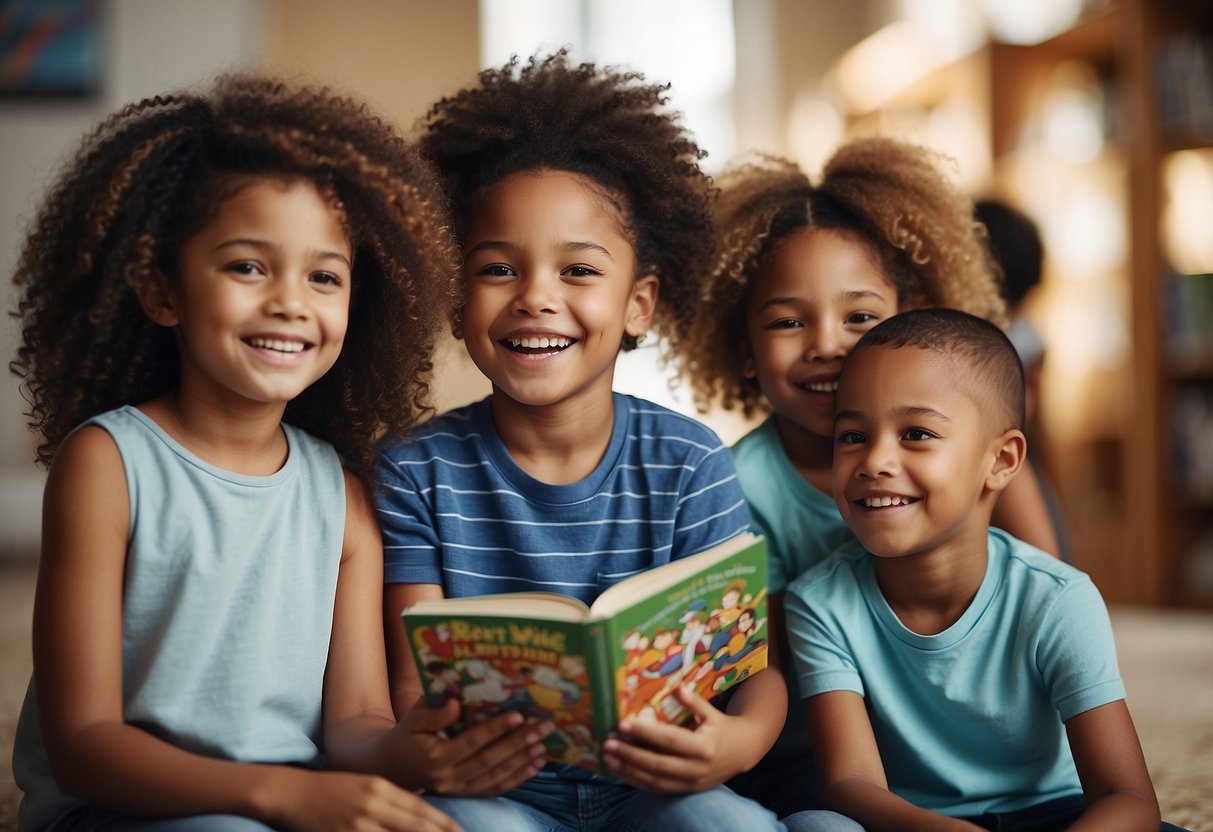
(700, 621)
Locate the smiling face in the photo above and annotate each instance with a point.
(261, 304)
(815, 295)
(551, 289)
(917, 460)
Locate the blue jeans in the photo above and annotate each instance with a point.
(820, 820)
(553, 805)
(1052, 816)
(96, 819)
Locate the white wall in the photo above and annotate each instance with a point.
(149, 46)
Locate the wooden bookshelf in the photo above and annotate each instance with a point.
(1137, 524)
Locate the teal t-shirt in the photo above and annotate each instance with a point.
(227, 606)
(802, 525)
(969, 720)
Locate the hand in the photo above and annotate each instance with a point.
(328, 801)
(484, 760)
(673, 759)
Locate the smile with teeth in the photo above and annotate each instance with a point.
(276, 344)
(528, 345)
(886, 501)
(830, 386)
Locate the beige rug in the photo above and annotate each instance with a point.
(1166, 659)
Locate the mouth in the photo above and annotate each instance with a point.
(280, 345)
(537, 346)
(885, 501)
(821, 385)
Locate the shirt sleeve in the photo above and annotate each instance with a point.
(1076, 653)
(411, 547)
(818, 645)
(712, 508)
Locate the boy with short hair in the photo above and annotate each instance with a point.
(954, 677)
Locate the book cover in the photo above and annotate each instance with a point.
(700, 620)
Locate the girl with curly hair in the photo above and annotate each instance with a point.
(225, 296)
(802, 270)
(583, 218)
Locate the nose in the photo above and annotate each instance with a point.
(536, 295)
(287, 297)
(878, 459)
(824, 343)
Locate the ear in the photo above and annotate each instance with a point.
(156, 297)
(1010, 450)
(749, 367)
(642, 304)
(457, 325)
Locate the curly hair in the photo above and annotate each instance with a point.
(606, 125)
(890, 195)
(151, 175)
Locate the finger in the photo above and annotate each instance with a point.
(701, 708)
(507, 773)
(422, 719)
(671, 740)
(505, 760)
(415, 814)
(646, 769)
(499, 738)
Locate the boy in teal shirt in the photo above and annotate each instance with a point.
(954, 677)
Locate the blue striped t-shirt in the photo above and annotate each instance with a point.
(456, 509)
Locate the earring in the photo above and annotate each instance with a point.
(640, 338)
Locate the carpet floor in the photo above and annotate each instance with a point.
(1166, 659)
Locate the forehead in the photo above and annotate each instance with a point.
(880, 379)
(293, 208)
(547, 203)
(821, 264)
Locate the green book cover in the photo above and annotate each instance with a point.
(700, 620)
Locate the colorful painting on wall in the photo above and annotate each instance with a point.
(49, 48)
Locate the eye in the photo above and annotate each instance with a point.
(326, 280)
(918, 435)
(495, 270)
(581, 271)
(244, 268)
(860, 318)
(850, 437)
(786, 323)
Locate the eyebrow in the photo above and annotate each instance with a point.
(906, 411)
(267, 246)
(572, 246)
(792, 300)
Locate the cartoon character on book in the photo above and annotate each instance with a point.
(544, 692)
(434, 643)
(484, 685)
(445, 680)
(692, 642)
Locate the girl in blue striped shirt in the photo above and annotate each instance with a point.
(583, 216)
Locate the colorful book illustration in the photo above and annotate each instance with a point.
(699, 621)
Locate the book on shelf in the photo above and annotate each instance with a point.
(699, 621)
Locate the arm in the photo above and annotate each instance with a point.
(1113, 771)
(852, 774)
(1021, 512)
(94, 753)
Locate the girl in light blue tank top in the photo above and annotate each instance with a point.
(226, 298)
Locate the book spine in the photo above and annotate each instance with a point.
(602, 683)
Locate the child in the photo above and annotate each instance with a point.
(220, 289)
(1016, 245)
(801, 272)
(575, 195)
(955, 677)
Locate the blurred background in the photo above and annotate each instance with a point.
(1092, 117)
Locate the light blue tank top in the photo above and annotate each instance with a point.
(228, 605)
